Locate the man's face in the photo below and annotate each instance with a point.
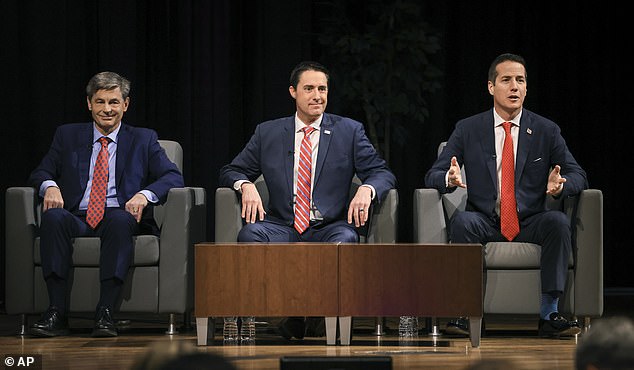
(509, 90)
(311, 95)
(107, 108)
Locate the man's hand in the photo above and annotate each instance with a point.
(53, 198)
(454, 177)
(251, 203)
(360, 206)
(136, 205)
(555, 182)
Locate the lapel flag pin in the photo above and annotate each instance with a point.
(529, 131)
(327, 132)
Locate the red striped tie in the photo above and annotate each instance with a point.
(304, 171)
(97, 201)
(508, 207)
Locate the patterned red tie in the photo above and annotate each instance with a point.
(97, 201)
(304, 171)
(508, 207)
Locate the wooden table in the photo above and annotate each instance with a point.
(338, 281)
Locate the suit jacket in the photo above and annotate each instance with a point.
(344, 150)
(141, 164)
(540, 147)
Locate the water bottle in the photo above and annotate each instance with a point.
(408, 326)
(247, 329)
(230, 329)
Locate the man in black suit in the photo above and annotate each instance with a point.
(543, 167)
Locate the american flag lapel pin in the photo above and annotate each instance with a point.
(327, 132)
(529, 131)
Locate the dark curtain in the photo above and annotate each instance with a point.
(204, 73)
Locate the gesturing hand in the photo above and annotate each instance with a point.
(454, 177)
(555, 182)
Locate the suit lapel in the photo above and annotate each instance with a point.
(124, 145)
(487, 140)
(84, 152)
(524, 144)
(325, 133)
(288, 150)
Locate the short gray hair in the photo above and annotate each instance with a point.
(108, 81)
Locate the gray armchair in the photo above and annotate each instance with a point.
(160, 278)
(381, 229)
(512, 269)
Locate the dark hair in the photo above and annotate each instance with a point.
(108, 81)
(608, 344)
(493, 73)
(306, 66)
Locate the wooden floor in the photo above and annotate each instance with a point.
(514, 339)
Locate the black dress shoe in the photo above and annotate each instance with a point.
(104, 324)
(459, 326)
(52, 324)
(292, 327)
(558, 326)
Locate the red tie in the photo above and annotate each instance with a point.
(304, 170)
(97, 201)
(508, 207)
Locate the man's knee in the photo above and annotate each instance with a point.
(54, 216)
(347, 235)
(251, 233)
(556, 222)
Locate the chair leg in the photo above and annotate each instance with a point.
(586, 323)
(171, 327)
(432, 325)
(379, 326)
(22, 331)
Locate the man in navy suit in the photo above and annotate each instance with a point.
(340, 149)
(139, 176)
(544, 167)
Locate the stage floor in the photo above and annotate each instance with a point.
(509, 338)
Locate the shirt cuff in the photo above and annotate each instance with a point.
(237, 186)
(45, 185)
(151, 197)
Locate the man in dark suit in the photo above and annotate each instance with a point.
(135, 174)
(544, 167)
(339, 149)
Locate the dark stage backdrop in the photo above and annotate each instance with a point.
(205, 73)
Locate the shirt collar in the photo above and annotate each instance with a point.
(96, 135)
(299, 125)
(497, 120)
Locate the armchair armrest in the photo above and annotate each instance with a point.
(384, 223)
(184, 224)
(588, 237)
(227, 217)
(21, 229)
(429, 218)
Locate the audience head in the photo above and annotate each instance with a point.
(607, 345)
(178, 355)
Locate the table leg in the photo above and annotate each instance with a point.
(201, 330)
(475, 330)
(345, 330)
(331, 331)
